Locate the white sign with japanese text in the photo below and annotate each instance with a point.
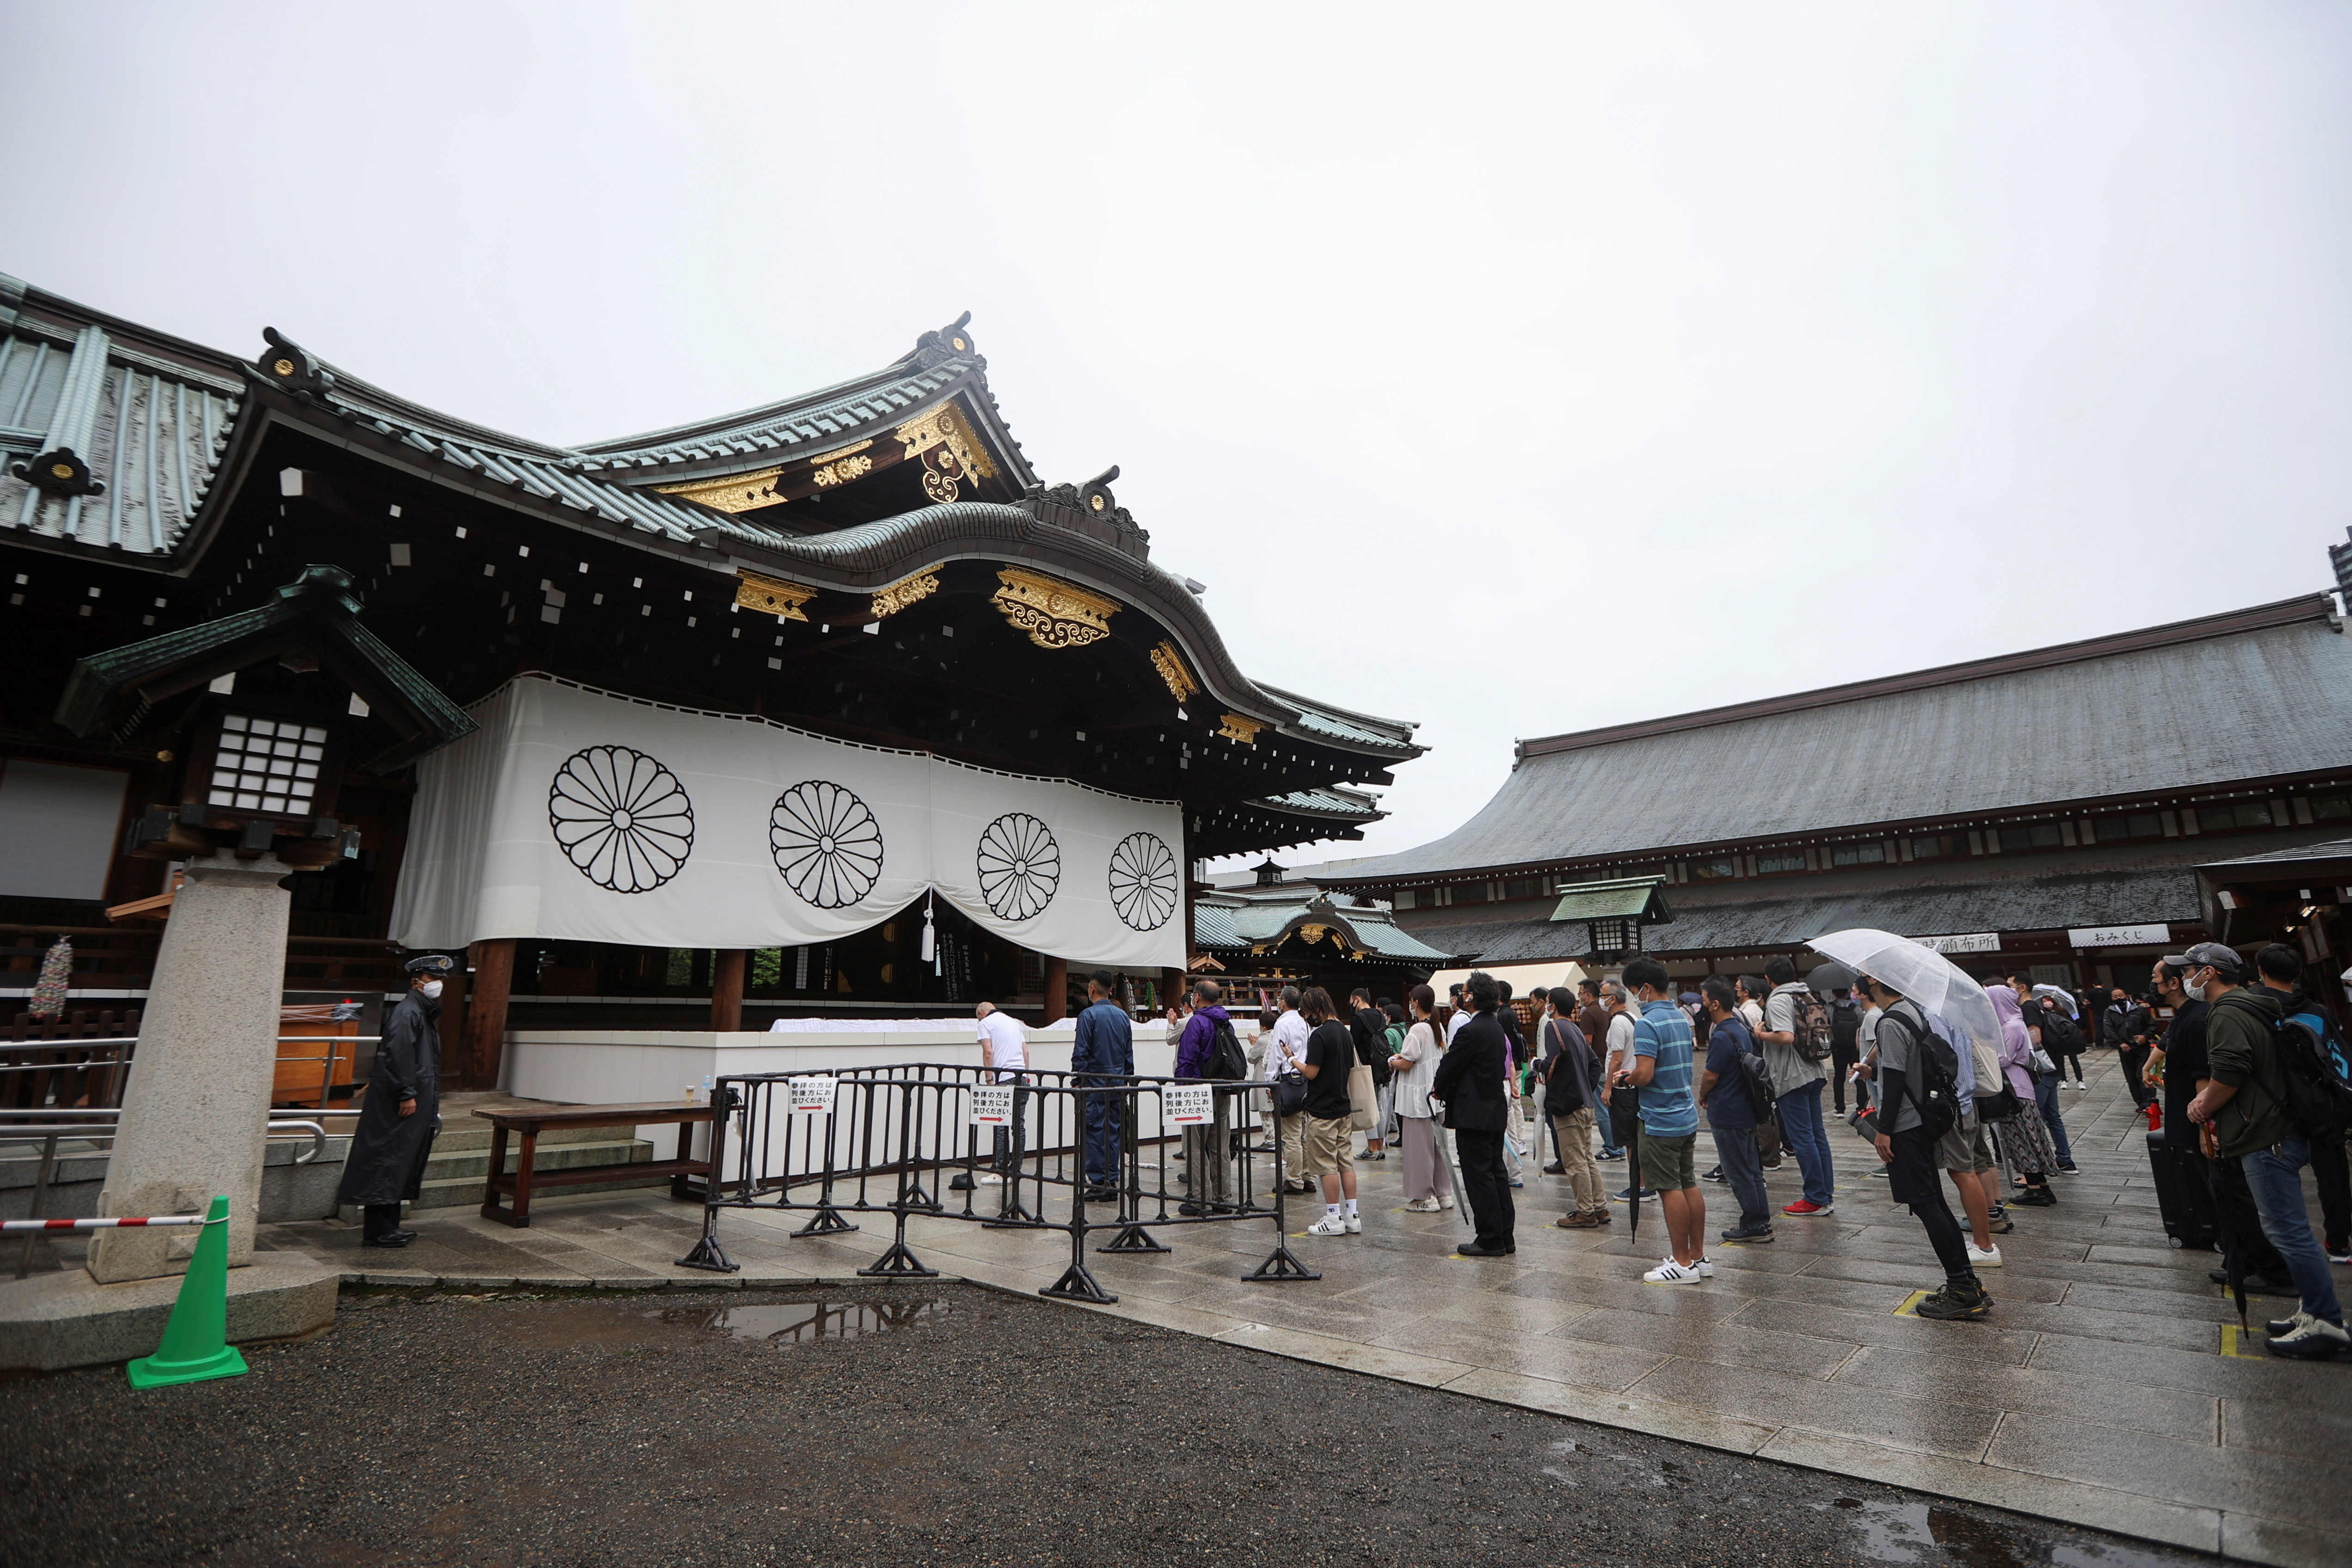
(2119, 936)
(1187, 1104)
(991, 1105)
(812, 1095)
(1979, 941)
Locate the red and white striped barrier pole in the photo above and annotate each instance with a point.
(101, 1224)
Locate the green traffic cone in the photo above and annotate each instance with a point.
(195, 1342)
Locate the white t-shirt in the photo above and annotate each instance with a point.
(1288, 1052)
(1620, 1042)
(1456, 1023)
(1007, 1041)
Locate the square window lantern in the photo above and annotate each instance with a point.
(283, 690)
(1613, 913)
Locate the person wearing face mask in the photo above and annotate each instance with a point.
(402, 1110)
(2245, 1107)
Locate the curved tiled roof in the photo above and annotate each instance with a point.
(1253, 925)
(151, 433)
(942, 365)
(2269, 692)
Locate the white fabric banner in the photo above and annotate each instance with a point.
(582, 816)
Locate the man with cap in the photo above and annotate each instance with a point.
(2243, 1110)
(403, 1109)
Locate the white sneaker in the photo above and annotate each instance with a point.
(1423, 1205)
(1355, 1225)
(1330, 1225)
(1705, 1270)
(1983, 1257)
(1445, 1203)
(1671, 1273)
(991, 1180)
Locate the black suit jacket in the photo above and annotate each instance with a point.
(1471, 1076)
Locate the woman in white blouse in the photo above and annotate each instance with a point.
(1414, 1065)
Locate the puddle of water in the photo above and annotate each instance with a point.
(1928, 1533)
(803, 1322)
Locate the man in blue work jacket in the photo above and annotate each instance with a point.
(1104, 1046)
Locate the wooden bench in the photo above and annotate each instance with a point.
(520, 1184)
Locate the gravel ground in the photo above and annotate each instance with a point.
(945, 1424)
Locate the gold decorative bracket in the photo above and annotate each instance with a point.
(1170, 666)
(1237, 728)
(951, 453)
(735, 493)
(908, 590)
(1053, 613)
(773, 596)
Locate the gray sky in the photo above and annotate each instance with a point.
(1511, 371)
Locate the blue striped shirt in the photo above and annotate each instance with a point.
(1664, 1035)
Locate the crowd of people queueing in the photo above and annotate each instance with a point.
(1630, 1069)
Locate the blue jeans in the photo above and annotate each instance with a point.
(1600, 1120)
(2046, 1095)
(1743, 1167)
(1103, 1142)
(2276, 1174)
(1802, 1131)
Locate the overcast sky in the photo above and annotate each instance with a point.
(1513, 371)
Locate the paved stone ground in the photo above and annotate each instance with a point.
(2098, 1394)
(959, 1425)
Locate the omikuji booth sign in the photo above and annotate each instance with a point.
(576, 816)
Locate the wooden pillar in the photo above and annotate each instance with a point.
(727, 990)
(1171, 988)
(1057, 989)
(485, 1010)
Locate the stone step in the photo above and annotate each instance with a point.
(475, 1162)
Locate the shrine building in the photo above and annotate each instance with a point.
(832, 706)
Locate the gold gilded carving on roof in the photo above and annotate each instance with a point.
(906, 591)
(736, 493)
(773, 596)
(951, 453)
(841, 472)
(1053, 613)
(1170, 666)
(1236, 728)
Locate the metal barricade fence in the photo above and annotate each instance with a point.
(949, 1142)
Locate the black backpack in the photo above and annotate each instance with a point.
(1845, 1030)
(2318, 1068)
(1226, 1058)
(2059, 1035)
(1933, 1088)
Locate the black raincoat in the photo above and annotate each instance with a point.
(386, 1163)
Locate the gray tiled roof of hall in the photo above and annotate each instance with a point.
(2270, 687)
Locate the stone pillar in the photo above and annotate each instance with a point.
(195, 1117)
(727, 990)
(485, 1010)
(1057, 990)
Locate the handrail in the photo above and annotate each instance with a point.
(92, 1129)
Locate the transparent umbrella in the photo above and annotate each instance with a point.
(1949, 994)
